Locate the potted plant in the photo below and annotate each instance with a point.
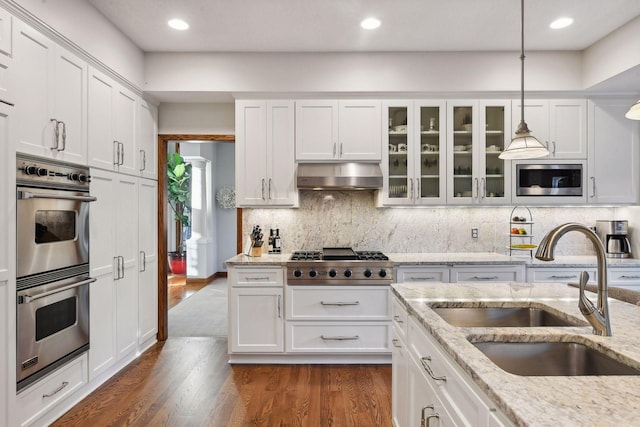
(179, 195)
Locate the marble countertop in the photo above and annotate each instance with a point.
(461, 258)
(542, 400)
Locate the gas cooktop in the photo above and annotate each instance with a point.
(338, 254)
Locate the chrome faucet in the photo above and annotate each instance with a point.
(597, 316)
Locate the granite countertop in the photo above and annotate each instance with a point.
(542, 400)
(265, 259)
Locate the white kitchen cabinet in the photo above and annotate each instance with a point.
(112, 120)
(419, 273)
(560, 274)
(265, 166)
(114, 263)
(399, 382)
(256, 310)
(413, 149)
(50, 96)
(489, 274)
(147, 140)
(6, 58)
(332, 130)
(628, 278)
(561, 124)
(477, 132)
(148, 263)
(614, 153)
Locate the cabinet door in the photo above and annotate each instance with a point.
(34, 64)
(102, 325)
(495, 135)
(280, 158)
(125, 130)
(568, 128)
(148, 140)
(251, 153)
(70, 90)
(399, 382)
(397, 164)
(462, 127)
(148, 263)
(424, 406)
(256, 320)
(317, 130)
(613, 153)
(100, 121)
(102, 224)
(491, 274)
(359, 124)
(126, 210)
(430, 165)
(536, 116)
(408, 274)
(6, 59)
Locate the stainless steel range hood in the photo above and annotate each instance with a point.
(339, 176)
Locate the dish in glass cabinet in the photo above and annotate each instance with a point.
(459, 148)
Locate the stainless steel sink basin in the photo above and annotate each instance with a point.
(552, 359)
(501, 317)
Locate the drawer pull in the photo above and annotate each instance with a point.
(425, 364)
(422, 278)
(397, 319)
(340, 338)
(629, 277)
(56, 391)
(573, 276)
(248, 279)
(395, 342)
(340, 303)
(484, 277)
(424, 419)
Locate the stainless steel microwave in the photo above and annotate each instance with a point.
(549, 179)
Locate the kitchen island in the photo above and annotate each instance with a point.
(535, 400)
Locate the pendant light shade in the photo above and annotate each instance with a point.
(634, 112)
(523, 145)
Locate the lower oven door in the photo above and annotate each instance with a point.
(52, 229)
(52, 326)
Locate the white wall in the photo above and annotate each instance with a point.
(226, 224)
(196, 118)
(80, 22)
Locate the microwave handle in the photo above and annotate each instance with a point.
(22, 195)
(26, 299)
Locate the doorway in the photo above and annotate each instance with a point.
(163, 141)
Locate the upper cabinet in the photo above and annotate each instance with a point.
(613, 153)
(413, 153)
(332, 130)
(148, 140)
(6, 59)
(477, 132)
(265, 165)
(50, 97)
(561, 124)
(112, 119)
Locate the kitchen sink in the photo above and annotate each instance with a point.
(552, 359)
(524, 316)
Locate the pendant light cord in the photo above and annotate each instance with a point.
(521, 64)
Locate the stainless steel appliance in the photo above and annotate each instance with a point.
(339, 266)
(52, 265)
(549, 179)
(614, 238)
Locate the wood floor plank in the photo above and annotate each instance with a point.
(188, 382)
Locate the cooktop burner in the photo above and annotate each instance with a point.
(338, 254)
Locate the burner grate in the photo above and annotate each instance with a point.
(306, 256)
(371, 256)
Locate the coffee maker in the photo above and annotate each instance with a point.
(614, 238)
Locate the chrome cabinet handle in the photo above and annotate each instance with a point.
(143, 158)
(395, 342)
(423, 417)
(483, 185)
(340, 303)
(116, 153)
(143, 263)
(629, 277)
(434, 415)
(477, 190)
(425, 364)
(397, 319)
(116, 267)
(263, 189)
(121, 153)
(418, 189)
(64, 136)
(279, 306)
(56, 132)
(411, 185)
(269, 193)
(56, 391)
(422, 278)
(593, 186)
(340, 338)
(571, 276)
(26, 299)
(56, 135)
(341, 149)
(257, 278)
(554, 148)
(334, 149)
(484, 277)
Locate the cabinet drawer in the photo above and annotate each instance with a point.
(258, 277)
(37, 399)
(561, 275)
(342, 337)
(338, 303)
(422, 274)
(491, 275)
(624, 277)
(400, 319)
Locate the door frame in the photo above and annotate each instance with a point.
(163, 264)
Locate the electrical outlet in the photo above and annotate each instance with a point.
(474, 233)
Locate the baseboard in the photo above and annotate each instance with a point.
(207, 280)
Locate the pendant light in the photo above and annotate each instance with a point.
(634, 112)
(523, 145)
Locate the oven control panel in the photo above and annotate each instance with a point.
(337, 273)
(37, 171)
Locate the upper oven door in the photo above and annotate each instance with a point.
(52, 229)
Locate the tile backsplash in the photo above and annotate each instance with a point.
(350, 218)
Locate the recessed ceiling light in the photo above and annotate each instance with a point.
(370, 23)
(178, 24)
(561, 23)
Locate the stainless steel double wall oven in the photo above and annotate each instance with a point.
(52, 265)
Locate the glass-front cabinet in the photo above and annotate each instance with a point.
(413, 163)
(477, 132)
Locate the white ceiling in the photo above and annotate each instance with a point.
(333, 25)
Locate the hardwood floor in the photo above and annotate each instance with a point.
(179, 290)
(188, 382)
